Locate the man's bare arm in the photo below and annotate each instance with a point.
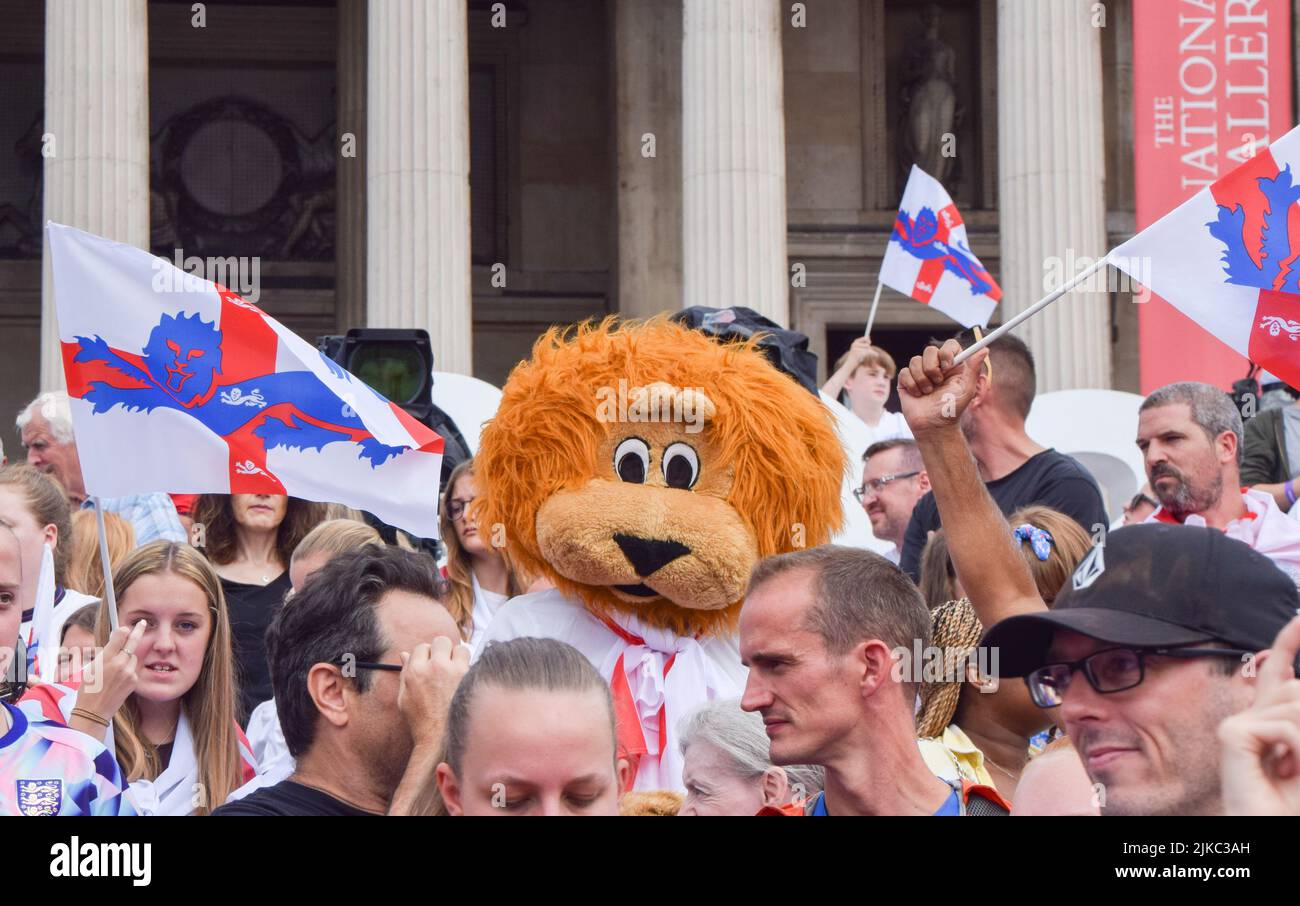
(934, 393)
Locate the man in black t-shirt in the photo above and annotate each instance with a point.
(364, 661)
(1017, 471)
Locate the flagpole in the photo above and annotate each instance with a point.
(1030, 311)
(108, 566)
(871, 318)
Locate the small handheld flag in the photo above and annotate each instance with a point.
(929, 257)
(178, 385)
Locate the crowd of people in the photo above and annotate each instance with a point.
(1011, 655)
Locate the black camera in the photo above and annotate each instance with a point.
(398, 364)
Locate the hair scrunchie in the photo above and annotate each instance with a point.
(1039, 539)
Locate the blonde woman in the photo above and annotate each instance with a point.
(481, 579)
(1052, 545)
(167, 696)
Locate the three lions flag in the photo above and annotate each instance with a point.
(179, 385)
(1228, 258)
(928, 257)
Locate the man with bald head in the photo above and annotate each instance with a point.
(364, 661)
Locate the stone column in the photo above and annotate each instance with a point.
(1051, 182)
(417, 174)
(648, 111)
(350, 177)
(733, 157)
(96, 136)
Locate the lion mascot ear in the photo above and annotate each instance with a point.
(751, 467)
(644, 469)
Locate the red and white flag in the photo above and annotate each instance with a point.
(929, 257)
(179, 385)
(1227, 258)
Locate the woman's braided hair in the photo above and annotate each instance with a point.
(956, 630)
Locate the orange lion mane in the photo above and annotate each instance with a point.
(779, 442)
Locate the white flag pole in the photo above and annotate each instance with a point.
(871, 318)
(108, 566)
(1030, 311)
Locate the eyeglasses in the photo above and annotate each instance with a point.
(367, 665)
(456, 508)
(345, 662)
(876, 485)
(1109, 670)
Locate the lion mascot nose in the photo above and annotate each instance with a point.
(647, 555)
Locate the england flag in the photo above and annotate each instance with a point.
(1227, 258)
(179, 385)
(929, 258)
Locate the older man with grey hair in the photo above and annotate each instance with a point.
(1190, 435)
(46, 427)
(728, 770)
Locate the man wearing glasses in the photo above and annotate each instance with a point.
(1157, 640)
(1162, 635)
(364, 662)
(893, 480)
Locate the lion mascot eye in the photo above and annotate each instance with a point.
(681, 465)
(632, 460)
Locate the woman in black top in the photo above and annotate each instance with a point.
(249, 538)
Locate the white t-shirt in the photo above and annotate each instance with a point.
(486, 605)
(702, 671)
(892, 425)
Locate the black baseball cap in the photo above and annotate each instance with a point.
(1157, 586)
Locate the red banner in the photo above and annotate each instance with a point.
(1211, 85)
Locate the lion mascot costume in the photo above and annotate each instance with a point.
(643, 469)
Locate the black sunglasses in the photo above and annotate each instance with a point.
(1139, 499)
(1109, 670)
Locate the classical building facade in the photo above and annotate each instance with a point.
(485, 170)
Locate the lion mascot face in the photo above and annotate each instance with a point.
(644, 468)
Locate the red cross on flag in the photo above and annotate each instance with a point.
(929, 257)
(179, 385)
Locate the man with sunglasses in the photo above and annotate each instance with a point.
(364, 663)
(1141, 506)
(893, 480)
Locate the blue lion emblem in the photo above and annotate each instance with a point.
(1273, 242)
(183, 371)
(40, 798)
(919, 237)
(181, 349)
